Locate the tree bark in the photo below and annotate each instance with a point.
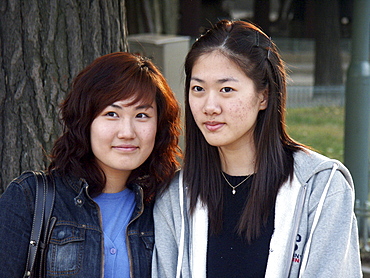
(153, 16)
(43, 45)
(261, 14)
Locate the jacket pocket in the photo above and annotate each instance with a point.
(148, 240)
(66, 248)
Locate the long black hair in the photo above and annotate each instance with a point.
(257, 56)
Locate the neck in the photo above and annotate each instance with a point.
(236, 162)
(115, 182)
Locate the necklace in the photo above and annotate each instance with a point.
(234, 187)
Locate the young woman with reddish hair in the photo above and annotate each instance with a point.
(118, 149)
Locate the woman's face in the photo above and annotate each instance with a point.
(122, 136)
(224, 101)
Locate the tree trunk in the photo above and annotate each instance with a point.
(261, 14)
(152, 16)
(328, 62)
(44, 44)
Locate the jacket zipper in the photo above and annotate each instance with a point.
(86, 186)
(297, 220)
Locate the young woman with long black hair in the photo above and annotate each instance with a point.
(250, 201)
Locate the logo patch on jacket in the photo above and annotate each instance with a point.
(297, 257)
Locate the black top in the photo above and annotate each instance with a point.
(229, 255)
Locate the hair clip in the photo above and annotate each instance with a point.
(257, 38)
(269, 49)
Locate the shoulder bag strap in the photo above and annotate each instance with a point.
(45, 191)
(48, 224)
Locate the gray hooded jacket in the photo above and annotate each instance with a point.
(315, 231)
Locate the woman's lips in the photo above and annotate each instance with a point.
(213, 126)
(126, 148)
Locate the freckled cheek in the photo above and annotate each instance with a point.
(148, 134)
(149, 138)
(238, 110)
(195, 109)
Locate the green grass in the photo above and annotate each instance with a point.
(321, 128)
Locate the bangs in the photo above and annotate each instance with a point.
(138, 84)
(138, 87)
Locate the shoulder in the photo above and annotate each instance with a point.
(172, 191)
(26, 181)
(316, 171)
(308, 163)
(170, 198)
(20, 192)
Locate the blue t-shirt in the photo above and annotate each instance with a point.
(116, 210)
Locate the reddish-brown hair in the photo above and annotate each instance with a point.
(110, 78)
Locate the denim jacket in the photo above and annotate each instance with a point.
(76, 246)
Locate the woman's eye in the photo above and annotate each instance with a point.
(111, 114)
(197, 88)
(227, 90)
(142, 116)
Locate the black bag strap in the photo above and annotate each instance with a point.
(44, 202)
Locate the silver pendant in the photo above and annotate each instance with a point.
(234, 191)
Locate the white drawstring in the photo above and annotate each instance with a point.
(182, 233)
(316, 220)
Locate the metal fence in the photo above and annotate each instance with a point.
(311, 96)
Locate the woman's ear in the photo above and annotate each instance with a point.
(263, 99)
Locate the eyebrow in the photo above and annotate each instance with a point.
(220, 81)
(143, 106)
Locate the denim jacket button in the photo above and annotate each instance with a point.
(61, 234)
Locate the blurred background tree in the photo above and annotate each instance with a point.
(44, 44)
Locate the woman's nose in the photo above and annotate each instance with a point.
(211, 105)
(126, 129)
